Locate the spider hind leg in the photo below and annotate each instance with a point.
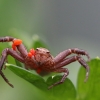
(66, 72)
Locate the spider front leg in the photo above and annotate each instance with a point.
(6, 80)
(11, 52)
(5, 53)
(17, 44)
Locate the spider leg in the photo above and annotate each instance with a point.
(6, 39)
(11, 52)
(16, 43)
(6, 80)
(67, 61)
(22, 50)
(66, 53)
(60, 70)
(5, 53)
(73, 59)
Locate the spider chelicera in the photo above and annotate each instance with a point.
(41, 60)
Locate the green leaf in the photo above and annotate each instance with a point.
(91, 89)
(28, 76)
(18, 63)
(64, 91)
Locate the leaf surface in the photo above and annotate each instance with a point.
(91, 89)
(65, 90)
(28, 76)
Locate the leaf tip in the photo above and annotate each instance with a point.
(98, 58)
(7, 64)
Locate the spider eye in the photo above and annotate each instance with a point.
(37, 49)
(48, 52)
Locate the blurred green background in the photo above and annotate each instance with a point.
(61, 24)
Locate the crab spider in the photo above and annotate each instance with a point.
(41, 59)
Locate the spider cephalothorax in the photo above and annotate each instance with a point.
(41, 60)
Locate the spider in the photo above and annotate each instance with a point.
(41, 60)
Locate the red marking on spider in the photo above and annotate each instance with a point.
(16, 42)
(31, 53)
(38, 70)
